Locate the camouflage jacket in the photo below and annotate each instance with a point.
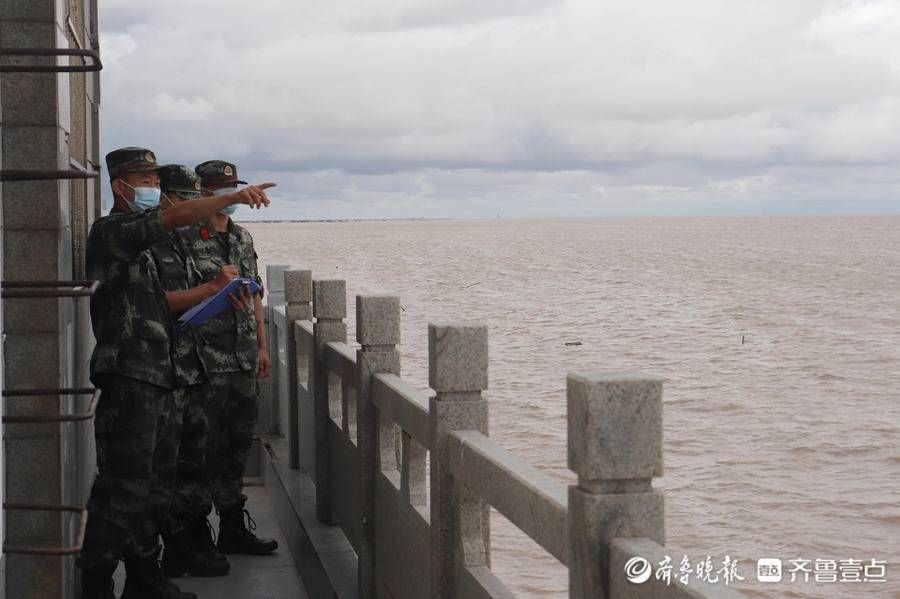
(128, 313)
(227, 342)
(178, 272)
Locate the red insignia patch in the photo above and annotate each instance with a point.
(204, 233)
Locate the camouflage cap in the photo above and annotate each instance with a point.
(130, 160)
(218, 172)
(180, 179)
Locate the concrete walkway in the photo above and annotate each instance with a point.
(268, 577)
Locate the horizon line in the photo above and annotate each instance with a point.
(586, 217)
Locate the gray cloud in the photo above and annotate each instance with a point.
(526, 107)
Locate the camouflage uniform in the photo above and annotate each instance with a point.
(189, 484)
(230, 354)
(132, 366)
(229, 350)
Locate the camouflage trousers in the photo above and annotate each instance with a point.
(137, 433)
(232, 408)
(190, 492)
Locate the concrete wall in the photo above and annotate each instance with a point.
(372, 436)
(49, 122)
(2, 386)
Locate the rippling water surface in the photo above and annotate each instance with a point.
(779, 339)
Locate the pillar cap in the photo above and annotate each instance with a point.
(298, 286)
(378, 319)
(329, 298)
(615, 425)
(457, 357)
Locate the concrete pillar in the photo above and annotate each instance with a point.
(460, 524)
(615, 448)
(329, 309)
(268, 421)
(378, 331)
(275, 283)
(298, 295)
(306, 425)
(42, 336)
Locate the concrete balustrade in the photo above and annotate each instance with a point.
(270, 395)
(304, 337)
(340, 360)
(298, 308)
(405, 405)
(460, 522)
(615, 448)
(329, 309)
(527, 497)
(365, 436)
(378, 333)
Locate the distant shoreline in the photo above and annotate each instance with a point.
(575, 218)
(346, 220)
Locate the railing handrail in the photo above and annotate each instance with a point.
(306, 340)
(404, 405)
(341, 360)
(280, 312)
(306, 326)
(527, 497)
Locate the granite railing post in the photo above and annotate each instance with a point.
(329, 309)
(615, 448)
(460, 524)
(268, 404)
(298, 295)
(378, 332)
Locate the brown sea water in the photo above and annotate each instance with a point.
(779, 339)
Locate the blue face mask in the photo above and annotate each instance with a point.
(228, 210)
(144, 198)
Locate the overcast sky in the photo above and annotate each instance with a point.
(472, 108)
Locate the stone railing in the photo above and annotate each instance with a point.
(410, 477)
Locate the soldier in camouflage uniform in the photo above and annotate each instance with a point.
(132, 366)
(234, 352)
(186, 534)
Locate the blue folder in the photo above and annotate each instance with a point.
(215, 305)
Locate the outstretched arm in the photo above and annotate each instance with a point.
(188, 213)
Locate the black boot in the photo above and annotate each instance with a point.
(97, 583)
(103, 543)
(202, 535)
(184, 556)
(145, 580)
(235, 537)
